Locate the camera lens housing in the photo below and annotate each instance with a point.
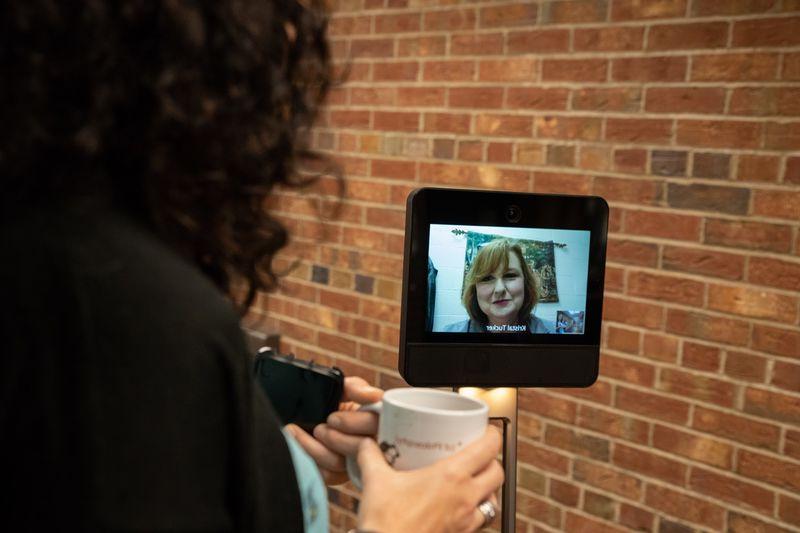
(513, 213)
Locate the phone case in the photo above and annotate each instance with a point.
(302, 392)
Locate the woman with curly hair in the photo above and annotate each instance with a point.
(140, 140)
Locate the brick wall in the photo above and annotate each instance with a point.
(685, 116)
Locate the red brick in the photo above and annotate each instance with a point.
(648, 69)
(703, 261)
(607, 478)
(613, 424)
(687, 36)
(685, 507)
(791, 67)
(735, 67)
(396, 121)
(647, 9)
(348, 25)
(774, 273)
(633, 313)
(372, 96)
(695, 386)
(627, 370)
(741, 523)
(542, 458)
(719, 134)
(731, 7)
(448, 71)
(763, 101)
(786, 376)
(664, 225)
(403, 71)
(510, 69)
(365, 239)
(732, 490)
(574, 11)
(595, 158)
(791, 445)
(564, 493)
(389, 218)
(547, 406)
(754, 303)
(397, 23)
(660, 347)
(749, 235)
(555, 183)
(544, 511)
(615, 279)
(449, 174)
(349, 119)
(610, 39)
(538, 41)
(446, 123)
(700, 356)
(635, 518)
(422, 97)
(785, 342)
(792, 174)
(599, 392)
(632, 160)
(508, 15)
(574, 70)
(707, 327)
(499, 152)
(652, 405)
(450, 19)
(567, 440)
(423, 46)
(537, 98)
(761, 168)
(745, 366)
(632, 252)
(704, 100)
(649, 464)
(639, 130)
(505, 125)
(569, 128)
(737, 428)
(470, 150)
(607, 99)
(789, 509)
(476, 97)
(581, 524)
(772, 405)
(666, 288)
(363, 48)
(782, 136)
(766, 32)
(476, 44)
(388, 168)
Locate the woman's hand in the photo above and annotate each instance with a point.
(443, 497)
(343, 432)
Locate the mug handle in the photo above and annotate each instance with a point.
(353, 471)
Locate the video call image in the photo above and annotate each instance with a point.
(494, 279)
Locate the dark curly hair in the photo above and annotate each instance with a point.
(185, 112)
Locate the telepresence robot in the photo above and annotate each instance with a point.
(475, 318)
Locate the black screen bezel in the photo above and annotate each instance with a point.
(488, 208)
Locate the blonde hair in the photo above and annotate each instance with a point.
(487, 260)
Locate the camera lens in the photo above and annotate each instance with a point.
(513, 213)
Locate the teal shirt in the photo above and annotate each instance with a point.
(313, 493)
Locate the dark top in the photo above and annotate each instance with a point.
(126, 398)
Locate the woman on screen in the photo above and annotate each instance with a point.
(500, 292)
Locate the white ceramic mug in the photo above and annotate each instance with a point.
(418, 427)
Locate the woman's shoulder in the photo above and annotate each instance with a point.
(537, 325)
(457, 327)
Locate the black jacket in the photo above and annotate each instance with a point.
(126, 397)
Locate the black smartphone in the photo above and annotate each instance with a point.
(302, 392)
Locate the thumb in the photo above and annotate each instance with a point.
(371, 461)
